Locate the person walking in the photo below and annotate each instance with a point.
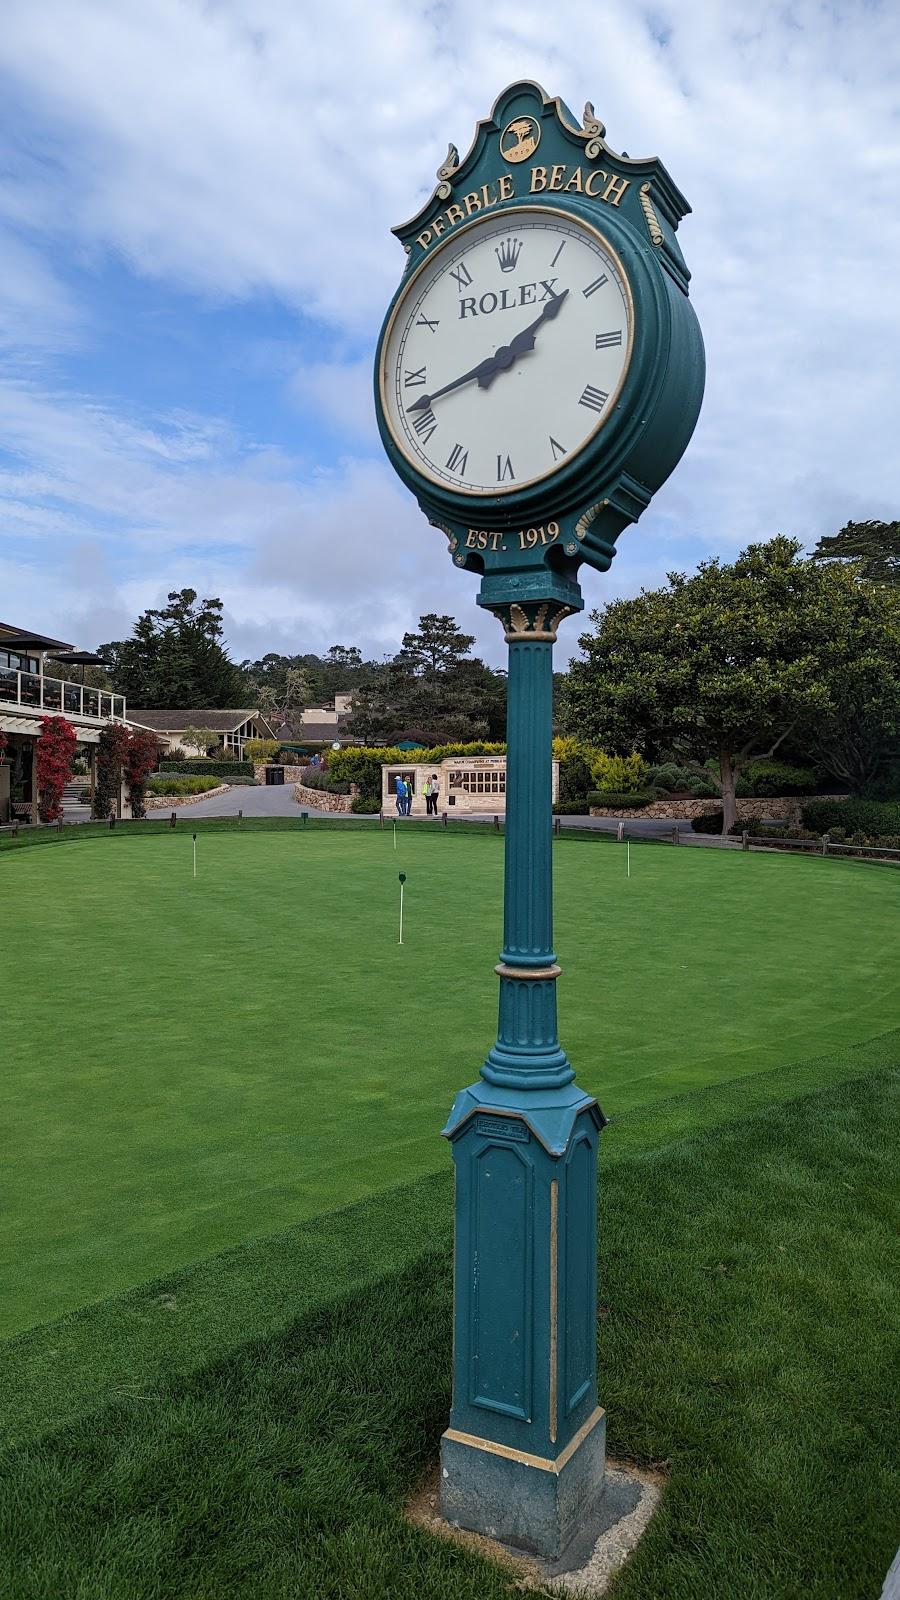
(401, 797)
(431, 792)
(409, 798)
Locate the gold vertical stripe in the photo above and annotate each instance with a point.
(554, 1277)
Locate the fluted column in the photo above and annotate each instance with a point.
(527, 1051)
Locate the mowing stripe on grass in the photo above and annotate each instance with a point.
(751, 1297)
(174, 1324)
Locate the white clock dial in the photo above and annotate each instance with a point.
(507, 351)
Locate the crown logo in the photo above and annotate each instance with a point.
(508, 254)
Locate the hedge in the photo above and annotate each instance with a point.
(210, 768)
(623, 802)
(871, 817)
(182, 785)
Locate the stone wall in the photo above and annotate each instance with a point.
(320, 799)
(779, 809)
(170, 802)
(291, 774)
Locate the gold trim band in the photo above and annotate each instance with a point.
(543, 1463)
(503, 971)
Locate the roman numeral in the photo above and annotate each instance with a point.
(504, 470)
(556, 446)
(412, 379)
(593, 287)
(423, 322)
(558, 253)
(602, 341)
(424, 424)
(456, 461)
(594, 399)
(461, 276)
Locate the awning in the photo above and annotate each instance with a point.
(29, 726)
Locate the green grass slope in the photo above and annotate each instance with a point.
(748, 1337)
(190, 1064)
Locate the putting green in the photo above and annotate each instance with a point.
(188, 1063)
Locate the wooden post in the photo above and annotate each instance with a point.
(173, 819)
(745, 840)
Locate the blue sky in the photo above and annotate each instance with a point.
(195, 253)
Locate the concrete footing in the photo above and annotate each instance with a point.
(523, 1500)
(610, 1530)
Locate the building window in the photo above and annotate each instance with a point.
(9, 658)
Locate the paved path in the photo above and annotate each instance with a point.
(277, 800)
(264, 800)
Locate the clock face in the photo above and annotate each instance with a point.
(507, 351)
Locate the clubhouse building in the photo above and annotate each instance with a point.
(233, 728)
(38, 678)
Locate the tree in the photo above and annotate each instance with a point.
(437, 646)
(727, 662)
(285, 702)
(873, 546)
(175, 657)
(858, 739)
(201, 740)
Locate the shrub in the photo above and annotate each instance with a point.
(669, 775)
(704, 789)
(203, 766)
(112, 753)
(181, 785)
(630, 799)
(143, 754)
(257, 750)
(870, 817)
(364, 805)
(317, 778)
(55, 755)
(571, 808)
(619, 774)
(711, 823)
(767, 777)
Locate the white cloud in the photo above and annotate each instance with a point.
(264, 149)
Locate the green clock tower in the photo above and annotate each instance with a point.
(538, 376)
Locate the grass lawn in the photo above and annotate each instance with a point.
(750, 1288)
(189, 1065)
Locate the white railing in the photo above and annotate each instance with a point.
(45, 696)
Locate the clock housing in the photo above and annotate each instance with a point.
(532, 175)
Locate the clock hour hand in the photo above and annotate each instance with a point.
(523, 341)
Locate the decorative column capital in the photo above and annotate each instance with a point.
(531, 621)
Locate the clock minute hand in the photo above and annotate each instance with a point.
(424, 401)
(487, 370)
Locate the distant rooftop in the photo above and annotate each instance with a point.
(177, 721)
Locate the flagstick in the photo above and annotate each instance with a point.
(628, 857)
(395, 835)
(401, 913)
(195, 855)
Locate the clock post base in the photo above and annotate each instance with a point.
(533, 1503)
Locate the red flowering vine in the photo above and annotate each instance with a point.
(112, 753)
(55, 758)
(143, 753)
(4, 741)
